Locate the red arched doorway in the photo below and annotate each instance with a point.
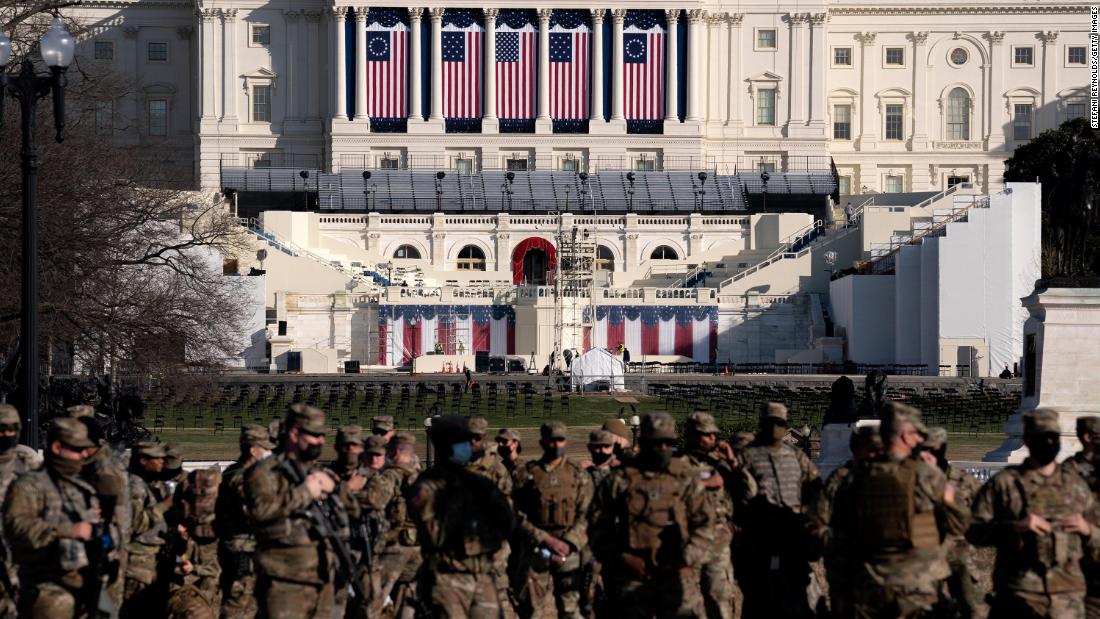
(532, 260)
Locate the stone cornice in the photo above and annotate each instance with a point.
(959, 10)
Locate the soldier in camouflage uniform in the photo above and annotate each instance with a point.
(462, 521)
(865, 443)
(723, 479)
(487, 463)
(382, 426)
(144, 591)
(510, 449)
(892, 511)
(15, 460)
(359, 459)
(601, 450)
(553, 494)
(194, 590)
(399, 556)
(237, 543)
(294, 568)
(772, 556)
(1042, 519)
(624, 439)
(652, 527)
(1088, 432)
(963, 582)
(112, 485)
(50, 516)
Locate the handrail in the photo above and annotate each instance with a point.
(699, 268)
(779, 253)
(256, 227)
(933, 230)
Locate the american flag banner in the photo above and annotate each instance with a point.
(387, 63)
(408, 331)
(570, 39)
(644, 41)
(517, 42)
(462, 63)
(686, 331)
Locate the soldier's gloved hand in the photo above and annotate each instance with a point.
(1033, 523)
(558, 546)
(319, 483)
(1075, 523)
(634, 565)
(81, 531)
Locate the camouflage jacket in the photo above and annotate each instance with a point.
(966, 487)
(1080, 463)
(230, 520)
(385, 495)
(148, 526)
(13, 464)
(1044, 564)
(491, 467)
(737, 487)
(837, 567)
(112, 485)
(527, 499)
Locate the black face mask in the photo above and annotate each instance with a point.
(504, 452)
(1043, 452)
(657, 459)
(62, 466)
(310, 453)
(600, 457)
(554, 453)
(8, 443)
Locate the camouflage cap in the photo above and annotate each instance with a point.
(149, 449)
(375, 445)
(352, 434)
(895, 413)
(618, 428)
(601, 438)
(701, 423)
(383, 423)
(774, 410)
(9, 415)
(81, 410)
(70, 432)
(306, 418)
(450, 429)
(742, 439)
(1090, 424)
(479, 426)
(865, 438)
(1041, 421)
(253, 435)
(935, 438)
(552, 430)
(173, 459)
(507, 434)
(403, 438)
(658, 427)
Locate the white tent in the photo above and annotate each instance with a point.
(598, 366)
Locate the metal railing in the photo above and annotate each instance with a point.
(785, 250)
(256, 227)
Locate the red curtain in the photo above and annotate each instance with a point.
(713, 342)
(587, 339)
(411, 341)
(480, 336)
(511, 336)
(684, 337)
(651, 339)
(382, 342)
(527, 245)
(616, 333)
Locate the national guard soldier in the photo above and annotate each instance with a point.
(487, 463)
(237, 543)
(144, 593)
(509, 448)
(772, 557)
(294, 564)
(1034, 513)
(652, 527)
(624, 439)
(462, 521)
(349, 453)
(892, 510)
(112, 486)
(399, 559)
(723, 479)
(963, 581)
(194, 591)
(1088, 432)
(51, 520)
(601, 451)
(359, 459)
(382, 425)
(553, 494)
(601, 463)
(15, 460)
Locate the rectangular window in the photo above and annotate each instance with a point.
(569, 165)
(645, 165)
(388, 163)
(261, 34)
(1021, 121)
(261, 104)
(1075, 110)
(263, 161)
(895, 56)
(158, 117)
(156, 51)
(765, 106)
(516, 164)
(766, 166)
(1023, 56)
(1075, 54)
(895, 122)
(104, 50)
(845, 188)
(842, 56)
(955, 180)
(464, 166)
(958, 117)
(104, 117)
(893, 184)
(765, 38)
(842, 122)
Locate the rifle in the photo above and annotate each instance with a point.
(93, 599)
(588, 581)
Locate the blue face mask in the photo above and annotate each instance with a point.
(461, 453)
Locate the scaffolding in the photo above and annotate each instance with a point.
(574, 280)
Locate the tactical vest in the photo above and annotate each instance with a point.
(149, 541)
(718, 498)
(555, 506)
(1052, 502)
(61, 507)
(778, 474)
(886, 518)
(655, 511)
(11, 468)
(402, 527)
(199, 499)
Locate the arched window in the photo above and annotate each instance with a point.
(958, 114)
(471, 258)
(604, 258)
(664, 252)
(407, 252)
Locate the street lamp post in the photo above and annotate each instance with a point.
(368, 189)
(584, 188)
(56, 48)
(702, 189)
(439, 176)
(764, 176)
(630, 192)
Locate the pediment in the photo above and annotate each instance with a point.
(262, 73)
(766, 76)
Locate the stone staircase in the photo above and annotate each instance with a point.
(362, 274)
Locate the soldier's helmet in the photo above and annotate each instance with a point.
(658, 427)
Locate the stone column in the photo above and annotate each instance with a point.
(596, 111)
(361, 64)
(618, 119)
(340, 110)
(209, 40)
(310, 105)
(437, 65)
(718, 58)
(491, 124)
(996, 104)
(819, 59)
(415, 100)
(1046, 116)
(695, 64)
(672, 86)
(737, 84)
(292, 87)
(229, 66)
(543, 123)
(920, 96)
(868, 122)
(798, 72)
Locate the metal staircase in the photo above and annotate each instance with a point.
(256, 228)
